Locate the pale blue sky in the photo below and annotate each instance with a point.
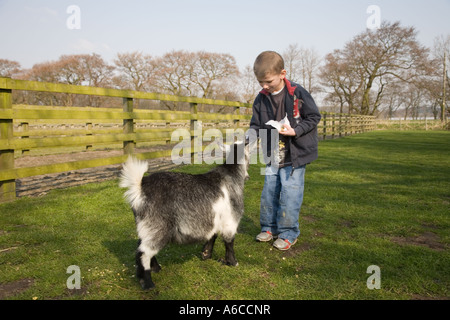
(35, 31)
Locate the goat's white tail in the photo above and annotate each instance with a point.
(132, 172)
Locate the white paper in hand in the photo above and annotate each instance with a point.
(279, 124)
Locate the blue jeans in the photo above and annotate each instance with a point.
(281, 200)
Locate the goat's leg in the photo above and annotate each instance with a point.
(154, 265)
(139, 266)
(208, 248)
(143, 275)
(230, 258)
(143, 271)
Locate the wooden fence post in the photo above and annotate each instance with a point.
(324, 130)
(352, 124)
(89, 130)
(333, 129)
(195, 127)
(7, 187)
(168, 127)
(358, 124)
(128, 126)
(237, 111)
(24, 126)
(346, 124)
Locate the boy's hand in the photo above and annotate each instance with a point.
(286, 130)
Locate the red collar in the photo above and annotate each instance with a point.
(290, 88)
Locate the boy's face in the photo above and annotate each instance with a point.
(272, 82)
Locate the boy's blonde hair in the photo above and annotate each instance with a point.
(268, 62)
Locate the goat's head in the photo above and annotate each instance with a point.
(237, 153)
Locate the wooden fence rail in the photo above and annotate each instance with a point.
(27, 128)
(335, 125)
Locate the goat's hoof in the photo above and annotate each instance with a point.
(229, 263)
(146, 286)
(206, 255)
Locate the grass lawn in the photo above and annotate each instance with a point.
(379, 198)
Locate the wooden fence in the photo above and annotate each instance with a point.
(27, 128)
(333, 125)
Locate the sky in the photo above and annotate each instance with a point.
(35, 31)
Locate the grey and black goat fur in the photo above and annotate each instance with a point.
(185, 208)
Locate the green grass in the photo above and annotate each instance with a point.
(380, 198)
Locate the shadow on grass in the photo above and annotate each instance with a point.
(124, 249)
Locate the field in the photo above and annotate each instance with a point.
(374, 199)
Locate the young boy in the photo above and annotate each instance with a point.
(282, 194)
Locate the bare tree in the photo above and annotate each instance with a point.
(434, 84)
(136, 70)
(411, 100)
(46, 72)
(95, 72)
(9, 68)
(85, 69)
(173, 72)
(302, 66)
(368, 64)
(249, 85)
(181, 73)
(441, 52)
(291, 57)
(200, 74)
(393, 98)
(209, 68)
(343, 80)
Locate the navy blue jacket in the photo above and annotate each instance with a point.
(304, 146)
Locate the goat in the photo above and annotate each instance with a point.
(185, 208)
